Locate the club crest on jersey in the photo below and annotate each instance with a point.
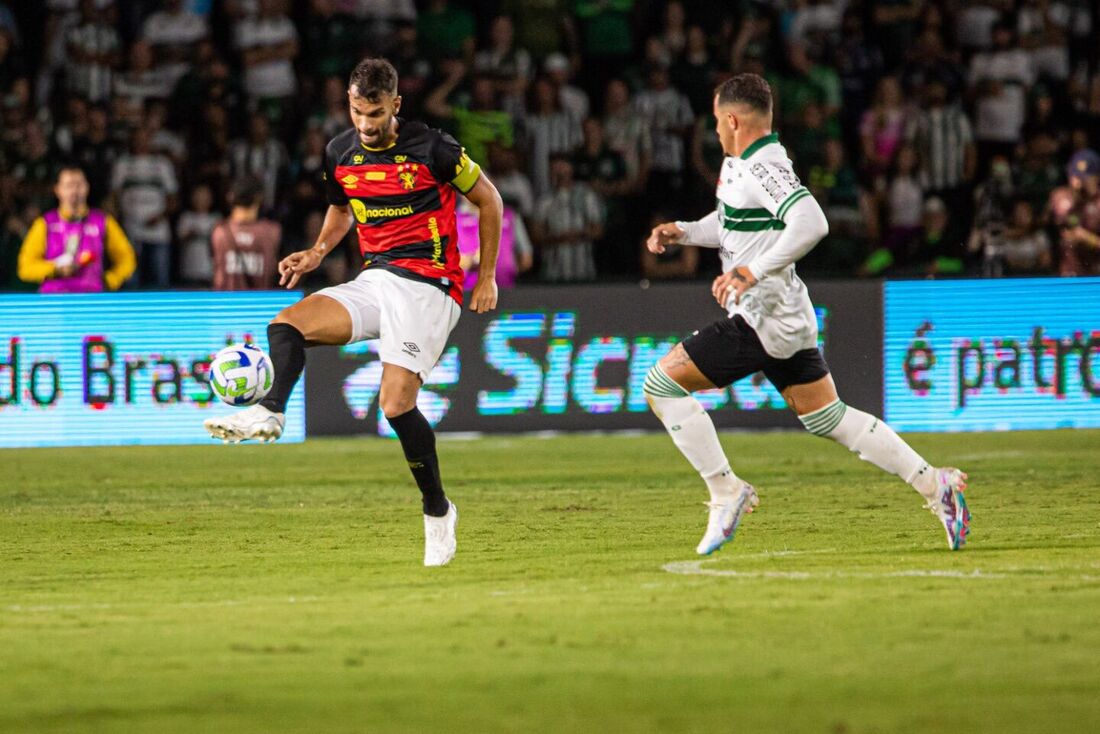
(357, 159)
(406, 174)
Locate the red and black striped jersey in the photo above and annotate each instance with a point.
(403, 200)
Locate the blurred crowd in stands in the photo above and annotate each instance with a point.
(940, 137)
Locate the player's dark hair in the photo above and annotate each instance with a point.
(247, 192)
(373, 78)
(747, 89)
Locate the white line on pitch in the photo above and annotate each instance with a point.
(138, 604)
(695, 568)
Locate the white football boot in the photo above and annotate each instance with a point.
(949, 506)
(256, 422)
(439, 537)
(724, 519)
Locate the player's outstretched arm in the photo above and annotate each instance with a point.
(486, 198)
(706, 232)
(295, 265)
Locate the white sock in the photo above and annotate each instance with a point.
(693, 433)
(874, 441)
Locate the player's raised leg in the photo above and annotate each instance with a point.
(397, 397)
(824, 414)
(668, 388)
(314, 320)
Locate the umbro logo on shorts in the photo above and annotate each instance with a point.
(412, 347)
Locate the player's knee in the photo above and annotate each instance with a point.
(659, 385)
(824, 421)
(396, 403)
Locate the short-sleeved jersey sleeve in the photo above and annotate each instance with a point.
(334, 192)
(450, 163)
(776, 186)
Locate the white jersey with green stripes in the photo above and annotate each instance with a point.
(755, 191)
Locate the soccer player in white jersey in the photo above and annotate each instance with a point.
(764, 222)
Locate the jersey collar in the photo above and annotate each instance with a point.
(758, 144)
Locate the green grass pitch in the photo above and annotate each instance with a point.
(280, 589)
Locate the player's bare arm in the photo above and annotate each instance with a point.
(486, 198)
(663, 235)
(338, 220)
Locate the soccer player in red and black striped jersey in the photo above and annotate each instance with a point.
(396, 181)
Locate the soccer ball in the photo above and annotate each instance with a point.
(241, 374)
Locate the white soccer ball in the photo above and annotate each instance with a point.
(241, 374)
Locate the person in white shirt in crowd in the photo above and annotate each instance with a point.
(512, 184)
(268, 42)
(667, 113)
(193, 233)
(559, 71)
(173, 33)
(144, 186)
(1000, 78)
(93, 52)
(551, 129)
(567, 221)
(260, 155)
(627, 134)
(141, 82)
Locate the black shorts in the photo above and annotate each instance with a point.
(729, 350)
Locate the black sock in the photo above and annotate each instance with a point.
(287, 348)
(418, 441)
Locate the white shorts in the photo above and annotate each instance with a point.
(412, 320)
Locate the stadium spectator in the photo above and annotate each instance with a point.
(193, 231)
(1036, 174)
(550, 130)
(883, 127)
(694, 72)
(93, 52)
(627, 134)
(604, 170)
(606, 38)
(999, 78)
(74, 249)
(515, 256)
(445, 30)
(942, 134)
(268, 42)
(1022, 248)
(1075, 211)
(332, 39)
(34, 166)
(173, 34)
(904, 200)
(245, 248)
(414, 71)
(140, 82)
(478, 119)
(513, 186)
(144, 186)
(559, 71)
(859, 64)
(568, 220)
(937, 250)
(96, 153)
(541, 25)
(510, 67)
(666, 112)
(259, 155)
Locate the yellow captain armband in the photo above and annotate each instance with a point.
(467, 173)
